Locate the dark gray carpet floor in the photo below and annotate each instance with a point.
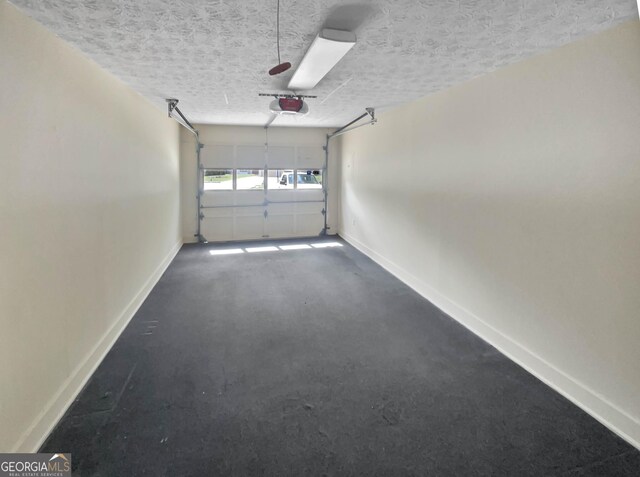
(316, 362)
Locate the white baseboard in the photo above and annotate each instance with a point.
(33, 438)
(616, 419)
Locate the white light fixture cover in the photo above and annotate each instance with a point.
(324, 53)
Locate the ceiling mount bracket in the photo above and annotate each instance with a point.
(171, 105)
(371, 112)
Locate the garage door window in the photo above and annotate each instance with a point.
(250, 179)
(280, 179)
(309, 179)
(218, 179)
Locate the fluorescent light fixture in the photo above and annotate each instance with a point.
(227, 251)
(261, 249)
(324, 53)
(298, 246)
(326, 244)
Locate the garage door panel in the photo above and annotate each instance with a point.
(249, 211)
(247, 197)
(246, 227)
(218, 228)
(309, 208)
(280, 225)
(310, 157)
(281, 157)
(279, 209)
(217, 156)
(217, 198)
(218, 212)
(307, 194)
(309, 224)
(250, 157)
(281, 195)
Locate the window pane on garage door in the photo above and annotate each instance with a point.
(309, 179)
(218, 179)
(280, 179)
(250, 179)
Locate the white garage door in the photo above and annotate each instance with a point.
(253, 191)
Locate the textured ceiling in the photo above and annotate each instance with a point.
(214, 55)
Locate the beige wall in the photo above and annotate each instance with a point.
(513, 203)
(89, 214)
(250, 135)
